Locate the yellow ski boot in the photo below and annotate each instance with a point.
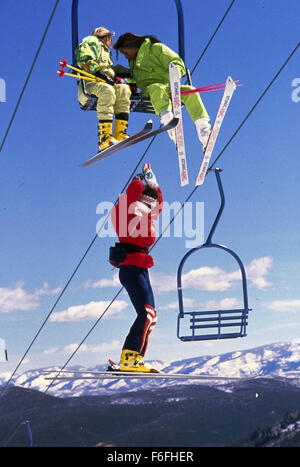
(133, 361)
(105, 136)
(120, 129)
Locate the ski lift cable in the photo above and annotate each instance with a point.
(29, 74)
(255, 105)
(212, 37)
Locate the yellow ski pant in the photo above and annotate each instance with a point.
(111, 99)
(159, 95)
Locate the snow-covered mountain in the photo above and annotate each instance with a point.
(274, 360)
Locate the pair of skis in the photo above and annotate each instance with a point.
(176, 125)
(71, 375)
(145, 133)
(176, 101)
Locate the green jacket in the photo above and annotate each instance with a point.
(92, 56)
(151, 64)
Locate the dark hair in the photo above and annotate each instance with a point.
(150, 191)
(128, 39)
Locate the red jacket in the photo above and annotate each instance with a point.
(133, 226)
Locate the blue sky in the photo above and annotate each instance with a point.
(48, 202)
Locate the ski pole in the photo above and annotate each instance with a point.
(62, 73)
(212, 87)
(64, 64)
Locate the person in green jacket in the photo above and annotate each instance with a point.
(93, 55)
(149, 61)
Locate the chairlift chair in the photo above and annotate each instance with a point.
(214, 324)
(139, 103)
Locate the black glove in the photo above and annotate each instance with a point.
(133, 88)
(106, 78)
(139, 177)
(119, 80)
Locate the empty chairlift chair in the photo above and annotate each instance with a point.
(215, 324)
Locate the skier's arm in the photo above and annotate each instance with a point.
(87, 54)
(134, 190)
(151, 181)
(165, 55)
(160, 200)
(122, 71)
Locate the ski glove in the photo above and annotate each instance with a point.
(119, 80)
(149, 176)
(106, 78)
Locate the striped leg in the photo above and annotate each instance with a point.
(149, 326)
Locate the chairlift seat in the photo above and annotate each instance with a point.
(138, 103)
(215, 324)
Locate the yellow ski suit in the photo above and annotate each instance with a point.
(150, 70)
(92, 56)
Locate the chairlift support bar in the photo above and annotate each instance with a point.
(29, 432)
(217, 319)
(75, 37)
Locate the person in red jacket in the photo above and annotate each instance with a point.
(132, 220)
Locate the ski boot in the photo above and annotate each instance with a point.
(105, 136)
(203, 130)
(165, 117)
(120, 129)
(133, 361)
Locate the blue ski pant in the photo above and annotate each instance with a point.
(137, 284)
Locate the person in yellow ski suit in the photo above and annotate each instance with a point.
(93, 55)
(149, 61)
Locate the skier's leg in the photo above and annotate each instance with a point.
(160, 99)
(159, 95)
(105, 109)
(136, 282)
(121, 110)
(198, 113)
(152, 313)
(120, 128)
(122, 102)
(106, 96)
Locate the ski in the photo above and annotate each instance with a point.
(145, 133)
(117, 147)
(69, 375)
(227, 95)
(176, 102)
